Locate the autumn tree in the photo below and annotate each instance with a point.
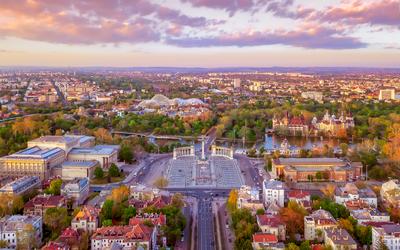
(232, 200)
(293, 217)
(161, 182)
(103, 135)
(328, 190)
(392, 148)
(26, 238)
(119, 194)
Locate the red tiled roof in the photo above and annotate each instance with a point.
(132, 233)
(156, 219)
(264, 238)
(298, 194)
(45, 201)
(52, 245)
(269, 220)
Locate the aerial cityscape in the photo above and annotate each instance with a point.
(200, 125)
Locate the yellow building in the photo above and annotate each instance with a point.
(31, 162)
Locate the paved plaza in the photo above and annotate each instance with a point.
(218, 170)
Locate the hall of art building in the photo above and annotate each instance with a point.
(315, 169)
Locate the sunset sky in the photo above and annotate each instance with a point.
(205, 33)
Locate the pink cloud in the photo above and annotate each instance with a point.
(305, 37)
(383, 12)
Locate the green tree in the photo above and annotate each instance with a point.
(126, 154)
(55, 187)
(113, 171)
(292, 246)
(260, 211)
(305, 245)
(107, 223)
(98, 173)
(107, 210)
(56, 218)
(128, 213)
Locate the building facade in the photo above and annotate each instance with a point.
(76, 190)
(32, 161)
(274, 193)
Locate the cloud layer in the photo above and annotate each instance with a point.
(143, 21)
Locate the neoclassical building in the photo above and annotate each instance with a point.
(31, 162)
(315, 169)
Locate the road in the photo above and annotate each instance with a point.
(205, 217)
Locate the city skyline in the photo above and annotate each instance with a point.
(200, 33)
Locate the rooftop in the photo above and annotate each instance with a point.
(79, 164)
(339, 236)
(36, 152)
(96, 150)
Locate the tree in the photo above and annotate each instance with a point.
(305, 245)
(292, 246)
(328, 190)
(106, 210)
(260, 211)
(56, 218)
(161, 182)
(103, 135)
(98, 173)
(392, 148)
(126, 154)
(55, 187)
(293, 217)
(119, 194)
(232, 200)
(113, 171)
(26, 238)
(128, 213)
(106, 223)
(344, 147)
(177, 200)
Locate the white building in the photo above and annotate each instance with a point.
(12, 229)
(387, 94)
(316, 223)
(78, 190)
(104, 154)
(236, 83)
(249, 197)
(78, 169)
(21, 186)
(350, 192)
(274, 192)
(386, 233)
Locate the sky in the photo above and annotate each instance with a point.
(200, 33)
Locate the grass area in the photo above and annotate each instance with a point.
(106, 179)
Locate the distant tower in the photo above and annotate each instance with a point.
(236, 83)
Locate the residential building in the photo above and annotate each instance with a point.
(126, 236)
(249, 198)
(387, 233)
(104, 154)
(142, 192)
(288, 125)
(309, 169)
(272, 224)
(390, 193)
(339, 239)
(54, 245)
(77, 190)
(302, 197)
(313, 95)
(273, 192)
(21, 185)
(351, 192)
(366, 215)
(32, 161)
(266, 241)
(316, 223)
(87, 219)
(78, 169)
(40, 203)
(12, 226)
(157, 220)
